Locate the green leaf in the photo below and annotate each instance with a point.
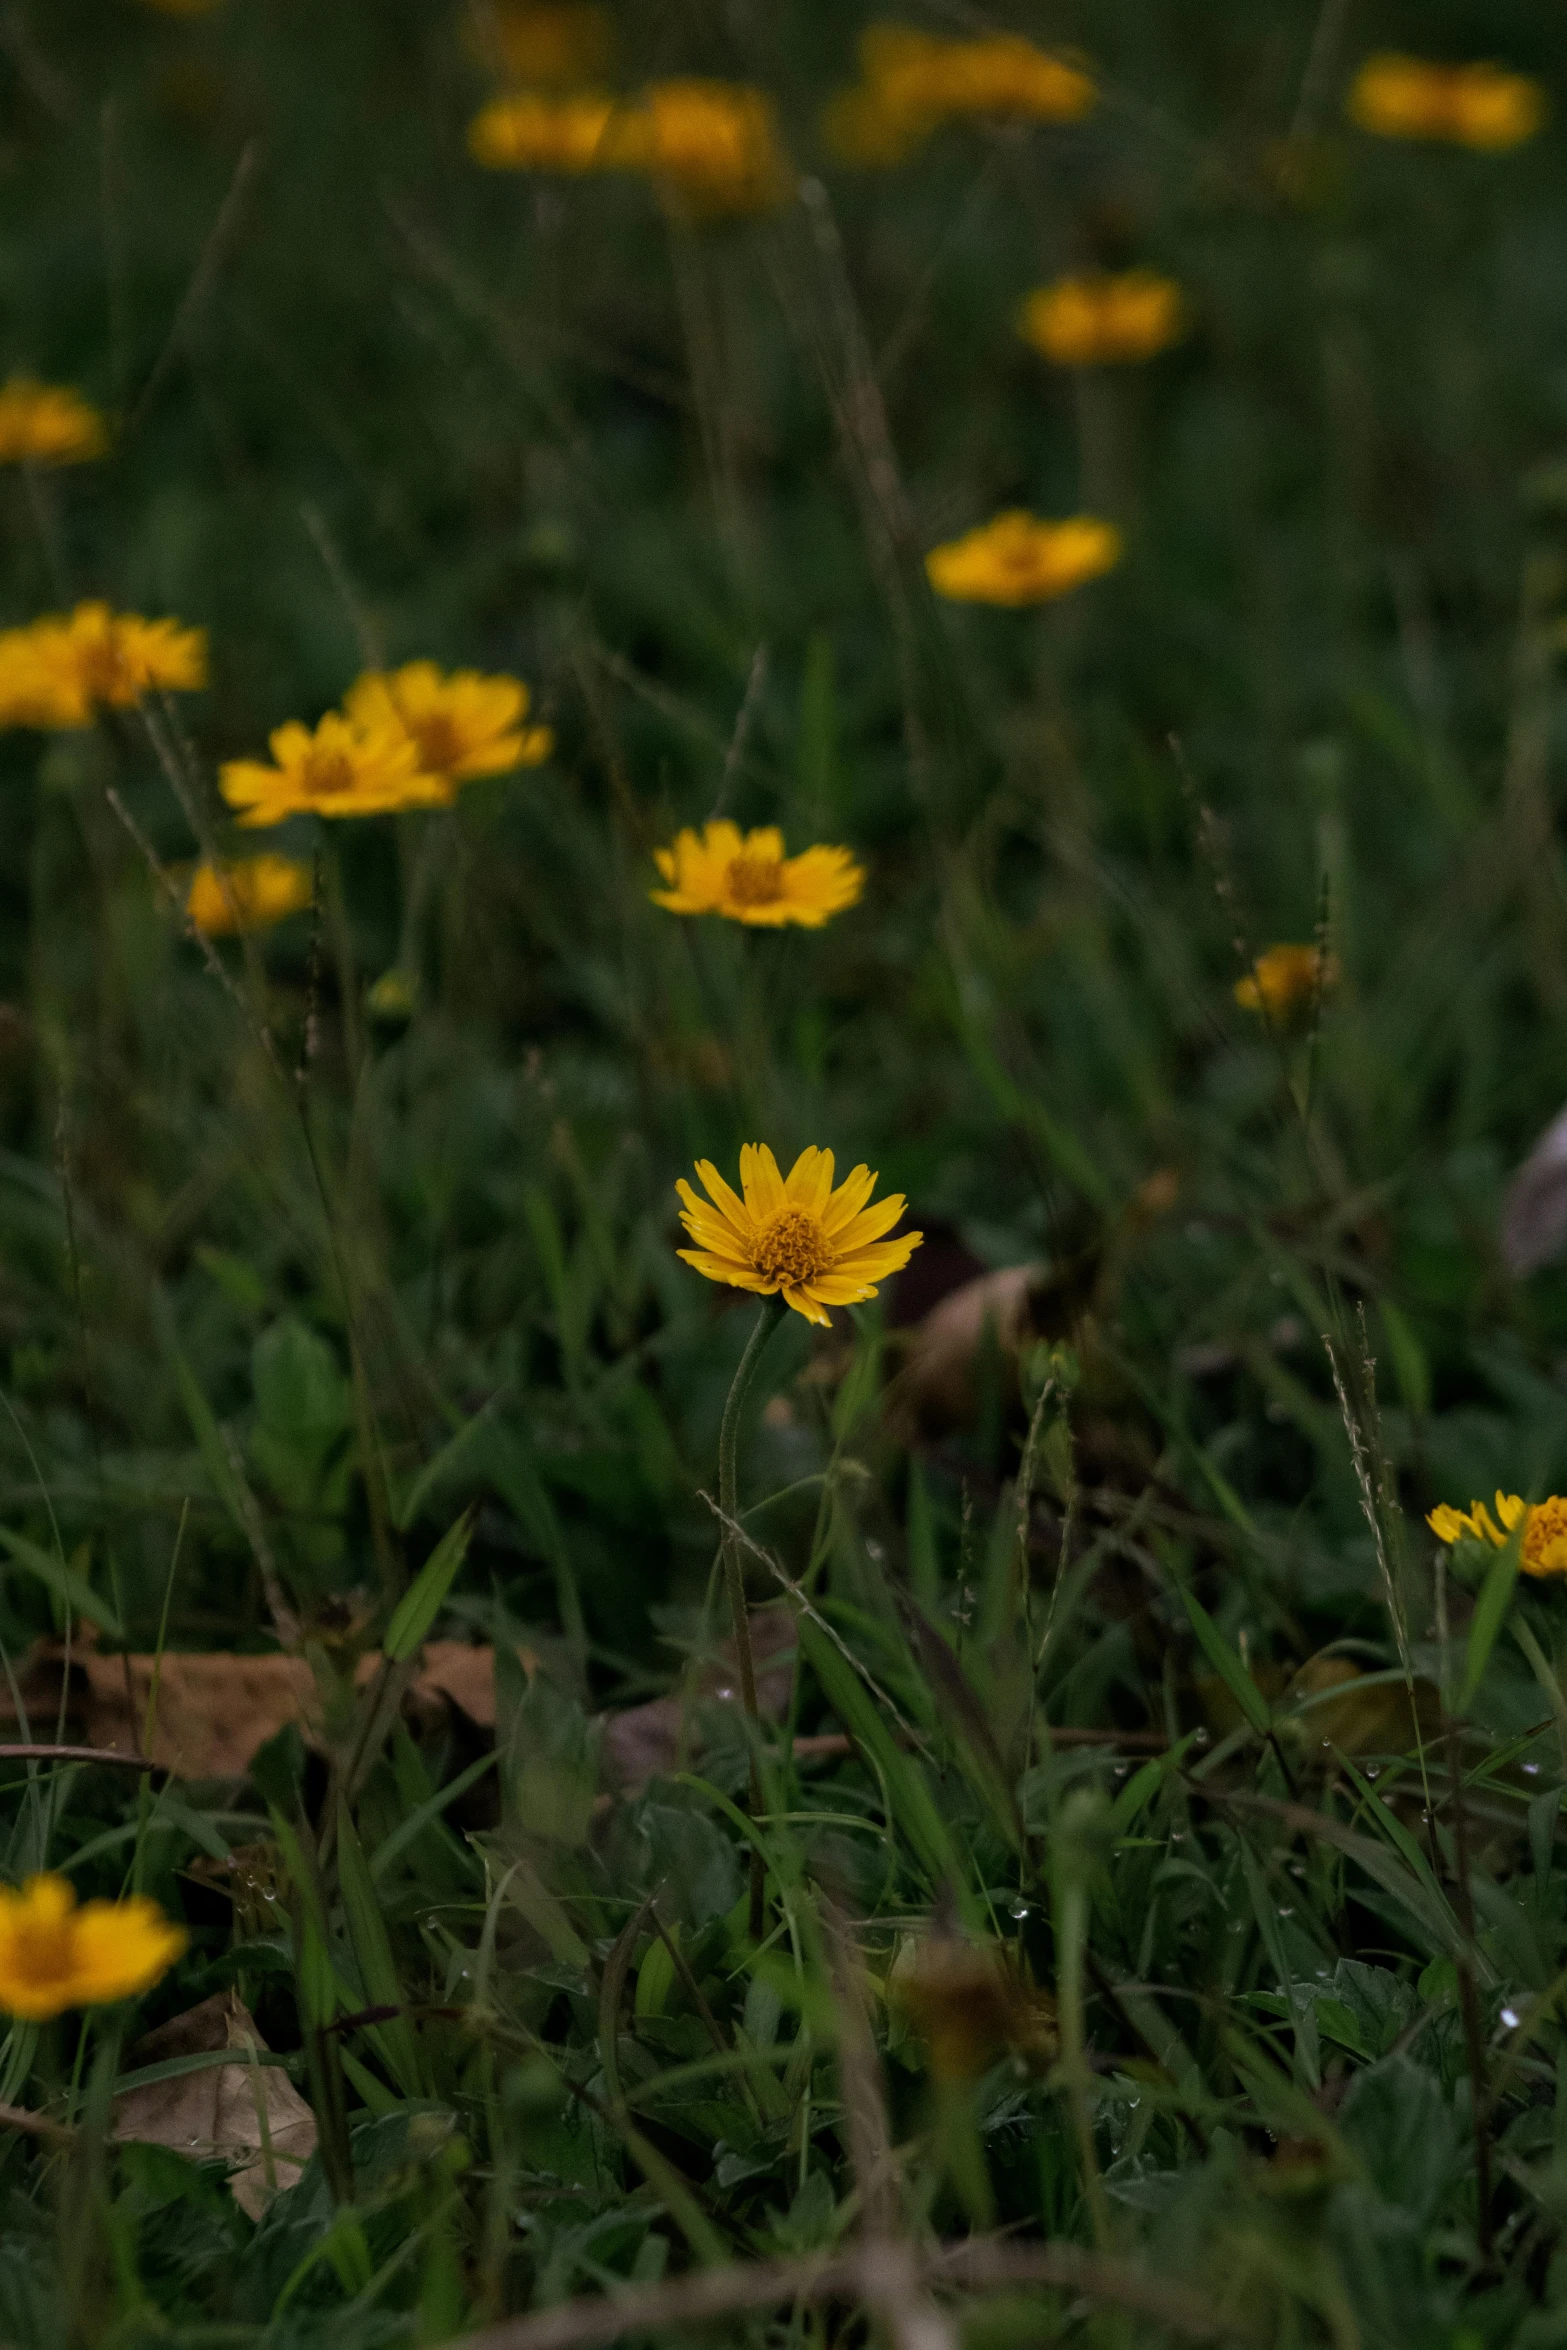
(67, 1585)
(1490, 1609)
(1228, 1665)
(421, 1603)
(394, 2039)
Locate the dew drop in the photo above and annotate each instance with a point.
(1373, 1770)
(1533, 1770)
(1287, 1912)
(1510, 2018)
(1017, 1909)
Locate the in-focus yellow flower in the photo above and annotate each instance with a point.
(1285, 980)
(1104, 321)
(1544, 1549)
(47, 423)
(340, 769)
(463, 724)
(912, 81)
(1481, 106)
(571, 41)
(1017, 559)
(62, 670)
(529, 132)
(249, 895)
(747, 877)
(794, 1234)
(54, 1955)
(711, 146)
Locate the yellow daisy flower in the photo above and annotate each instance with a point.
(529, 132)
(794, 1234)
(1104, 321)
(463, 724)
(1016, 559)
(251, 895)
(340, 769)
(1480, 106)
(711, 145)
(54, 1955)
(48, 423)
(748, 878)
(1284, 980)
(912, 81)
(62, 670)
(1544, 1549)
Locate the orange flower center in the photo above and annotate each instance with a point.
(440, 745)
(791, 1249)
(755, 881)
(1545, 1538)
(103, 668)
(40, 1952)
(324, 773)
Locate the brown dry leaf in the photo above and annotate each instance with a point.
(1379, 1720)
(213, 1712)
(249, 2116)
(935, 1390)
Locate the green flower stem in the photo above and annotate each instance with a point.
(734, 1572)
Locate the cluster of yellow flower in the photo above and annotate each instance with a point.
(408, 738)
(708, 146)
(63, 670)
(912, 82)
(1480, 106)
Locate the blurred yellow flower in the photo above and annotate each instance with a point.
(1481, 106)
(748, 877)
(969, 2002)
(1285, 980)
(250, 895)
(571, 41)
(527, 132)
(712, 146)
(54, 1955)
(47, 423)
(794, 1234)
(1103, 321)
(62, 670)
(340, 769)
(1544, 1550)
(1016, 559)
(462, 723)
(912, 81)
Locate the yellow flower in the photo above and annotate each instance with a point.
(461, 724)
(48, 423)
(252, 895)
(969, 2002)
(61, 671)
(1016, 559)
(569, 42)
(54, 1955)
(911, 81)
(339, 770)
(1481, 106)
(711, 145)
(1102, 321)
(794, 1234)
(1285, 980)
(748, 878)
(527, 132)
(1544, 1549)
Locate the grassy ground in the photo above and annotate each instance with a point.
(1087, 1938)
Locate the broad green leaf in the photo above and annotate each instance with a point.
(367, 1935)
(1228, 1665)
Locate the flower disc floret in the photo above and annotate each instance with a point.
(794, 1236)
(55, 1955)
(747, 877)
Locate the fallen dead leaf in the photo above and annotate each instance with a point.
(249, 2116)
(213, 1712)
(644, 1741)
